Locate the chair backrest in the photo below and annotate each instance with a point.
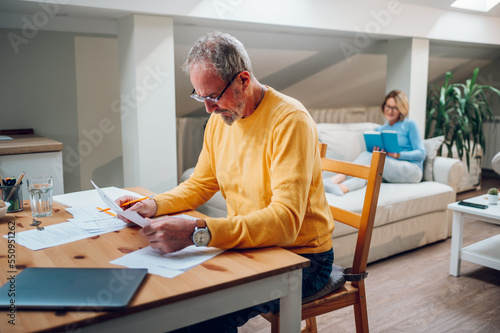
(364, 221)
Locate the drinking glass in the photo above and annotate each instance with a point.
(40, 190)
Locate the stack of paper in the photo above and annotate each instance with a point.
(91, 197)
(92, 220)
(53, 235)
(87, 221)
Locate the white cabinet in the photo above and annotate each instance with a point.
(34, 154)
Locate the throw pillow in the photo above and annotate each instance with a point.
(344, 141)
(431, 147)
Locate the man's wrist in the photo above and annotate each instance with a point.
(201, 235)
(155, 205)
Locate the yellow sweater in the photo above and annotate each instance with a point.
(267, 167)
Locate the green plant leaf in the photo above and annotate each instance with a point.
(458, 111)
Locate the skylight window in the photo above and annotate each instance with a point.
(477, 5)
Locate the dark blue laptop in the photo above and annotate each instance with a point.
(86, 289)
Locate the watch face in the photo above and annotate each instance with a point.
(201, 237)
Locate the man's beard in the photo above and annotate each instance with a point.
(233, 115)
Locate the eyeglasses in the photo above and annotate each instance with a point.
(203, 99)
(392, 108)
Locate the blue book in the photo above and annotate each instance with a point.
(385, 140)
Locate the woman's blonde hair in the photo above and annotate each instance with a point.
(401, 101)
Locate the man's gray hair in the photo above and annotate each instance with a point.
(225, 53)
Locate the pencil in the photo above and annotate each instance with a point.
(21, 176)
(106, 211)
(134, 201)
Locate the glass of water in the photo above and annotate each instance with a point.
(40, 190)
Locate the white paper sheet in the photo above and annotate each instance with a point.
(93, 220)
(52, 235)
(91, 197)
(167, 264)
(87, 213)
(130, 215)
(106, 225)
(86, 222)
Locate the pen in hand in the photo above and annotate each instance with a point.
(128, 203)
(136, 200)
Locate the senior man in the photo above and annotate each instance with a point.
(261, 151)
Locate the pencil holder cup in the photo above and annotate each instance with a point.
(14, 195)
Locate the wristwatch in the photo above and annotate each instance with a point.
(201, 235)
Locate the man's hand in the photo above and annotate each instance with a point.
(169, 234)
(145, 208)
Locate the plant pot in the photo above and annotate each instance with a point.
(493, 199)
(472, 177)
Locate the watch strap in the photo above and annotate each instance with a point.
(201, 223)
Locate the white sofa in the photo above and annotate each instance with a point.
(408, 215)
(495, 163)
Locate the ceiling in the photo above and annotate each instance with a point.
(305, 63)
(26, 7)
(446, 5)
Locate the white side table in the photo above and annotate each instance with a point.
(485, 252)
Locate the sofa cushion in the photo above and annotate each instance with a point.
(396, 202)
(215, 207)
(495, 163)
(431, 147)
(337, 135)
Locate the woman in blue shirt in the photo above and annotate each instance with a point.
(403, 167)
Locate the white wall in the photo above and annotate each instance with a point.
(99, 124)
(65, 91)
(38, 90)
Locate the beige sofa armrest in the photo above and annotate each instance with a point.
(495, 163)
(215, 207)
(448, 171)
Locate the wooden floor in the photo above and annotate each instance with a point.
(413, 292)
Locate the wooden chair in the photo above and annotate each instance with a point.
(352, 293)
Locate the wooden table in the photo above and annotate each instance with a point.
(230, 281)
(485, 252)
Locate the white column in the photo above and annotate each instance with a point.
(147, 93)
(99, 127)
(407, 70)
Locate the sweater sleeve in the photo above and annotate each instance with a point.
(417, 153)
(293, 153)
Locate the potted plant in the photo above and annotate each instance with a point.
(492, 196)
(457, 111)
